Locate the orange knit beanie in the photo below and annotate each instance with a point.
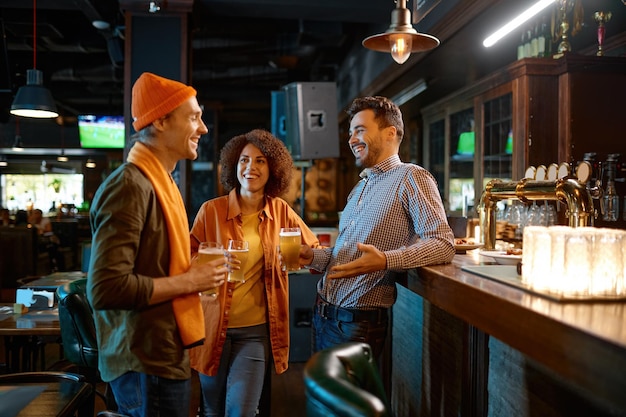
(153, 97)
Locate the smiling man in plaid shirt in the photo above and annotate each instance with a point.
(394, 220)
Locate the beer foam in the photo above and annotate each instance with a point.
(292, 234)
(211, 251)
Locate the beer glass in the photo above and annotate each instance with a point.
(207, 252)
(289, 241)
(239, 248)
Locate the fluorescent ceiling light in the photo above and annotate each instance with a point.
(517, 22)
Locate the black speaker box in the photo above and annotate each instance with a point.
(311, 116)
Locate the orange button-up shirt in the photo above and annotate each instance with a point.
(219, 220)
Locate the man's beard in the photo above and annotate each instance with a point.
(370, 157)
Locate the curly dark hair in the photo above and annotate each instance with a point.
(278, 158)
(386, 113)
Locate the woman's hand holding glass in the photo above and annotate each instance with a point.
(238, 255)
(305, 256)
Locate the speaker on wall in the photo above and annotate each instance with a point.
(311, 116)
(279, 120)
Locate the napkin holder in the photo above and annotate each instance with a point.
(35, 299)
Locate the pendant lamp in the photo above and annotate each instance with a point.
(18, 145)
(401, 39)
(33, 99)
(62, 157)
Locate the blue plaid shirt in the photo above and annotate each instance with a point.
(397, 208)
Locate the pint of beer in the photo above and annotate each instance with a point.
(289, 240)
(207, 252)
(240, 249)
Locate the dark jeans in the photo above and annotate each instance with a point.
(236, 389)
(328, 332)
(142, 395)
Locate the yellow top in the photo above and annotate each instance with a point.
(249, 305)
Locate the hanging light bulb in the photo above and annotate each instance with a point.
(62, 157)
(401, 39)
(33, 99)
(400, 46)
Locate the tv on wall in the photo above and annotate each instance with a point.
(96, 131)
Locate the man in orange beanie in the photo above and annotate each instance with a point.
(141, 283)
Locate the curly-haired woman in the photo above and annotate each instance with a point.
(247, 321)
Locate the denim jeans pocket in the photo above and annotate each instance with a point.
(127, 391)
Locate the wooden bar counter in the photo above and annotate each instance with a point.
(466, 345)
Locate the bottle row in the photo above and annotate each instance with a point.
(536, 41)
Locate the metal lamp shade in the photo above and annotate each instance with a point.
(33, 99)
(401, 25)
(421, 41)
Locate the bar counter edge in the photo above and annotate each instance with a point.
(471, 346)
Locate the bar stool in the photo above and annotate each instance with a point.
(343, 381)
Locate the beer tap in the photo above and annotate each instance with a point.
(587, 173)
(611, 199)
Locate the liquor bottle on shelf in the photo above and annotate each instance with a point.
(543, 41)
(527, 47)
(534, 42)
(520, 47)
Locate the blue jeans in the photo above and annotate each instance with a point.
(327, 332)
(143, 395)
(236, 389)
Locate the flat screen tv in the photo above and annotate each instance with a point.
(96, 131)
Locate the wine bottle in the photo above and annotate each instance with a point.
(541, 42)
(527, 48)
(520, 46)
(533, 42)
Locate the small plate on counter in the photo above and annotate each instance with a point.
(501, 257)
(462, 245)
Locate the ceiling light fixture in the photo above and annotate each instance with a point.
(3, 161)
(101, 25)
(62, 157)
(90, 163)
(18, 145)
(516, 22)
(33, 99)
(401, 39)
(154, 7)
